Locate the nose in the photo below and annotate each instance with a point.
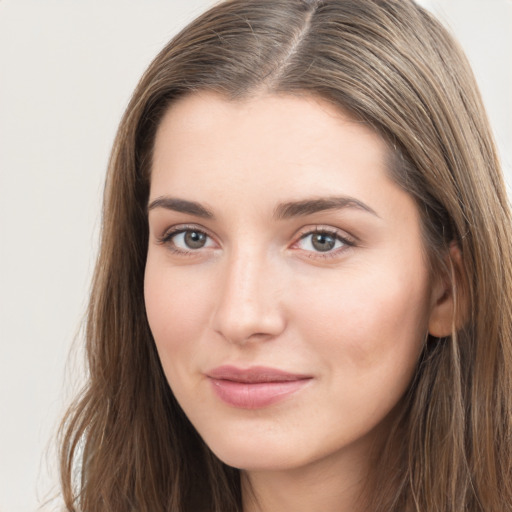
(250, 297)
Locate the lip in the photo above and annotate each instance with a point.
(255, 387)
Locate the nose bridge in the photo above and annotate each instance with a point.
(248, 302)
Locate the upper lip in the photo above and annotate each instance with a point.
(254, 374)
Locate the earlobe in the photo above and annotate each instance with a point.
(445, 294)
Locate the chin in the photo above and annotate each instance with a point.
(250, 456)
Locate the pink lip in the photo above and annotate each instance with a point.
(255, 387)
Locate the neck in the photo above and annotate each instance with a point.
(326, 485)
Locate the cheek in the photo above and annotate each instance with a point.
(369, 323)
(177, 309)
(367, 335)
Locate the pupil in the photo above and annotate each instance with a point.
(194, 239)
(322, 242)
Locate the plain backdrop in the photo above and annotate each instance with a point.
(67, 69)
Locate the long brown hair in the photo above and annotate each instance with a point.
(125, 443)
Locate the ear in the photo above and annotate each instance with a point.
(445, 294)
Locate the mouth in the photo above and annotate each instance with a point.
(255, 387)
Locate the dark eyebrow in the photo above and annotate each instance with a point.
(310, 206)
(281, 212)
(182, 206)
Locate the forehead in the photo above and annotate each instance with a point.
(284, 140)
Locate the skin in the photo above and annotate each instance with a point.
(259, 292)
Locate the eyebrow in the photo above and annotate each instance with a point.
(310, 206)
(182, 206)
(281, 212)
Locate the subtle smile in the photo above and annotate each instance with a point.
(255, 387)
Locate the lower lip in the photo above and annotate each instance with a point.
(255, 395)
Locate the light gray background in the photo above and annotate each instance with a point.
(67, 69)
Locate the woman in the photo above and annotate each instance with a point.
(303, 295)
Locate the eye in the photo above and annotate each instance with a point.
(187, 240)
(323, 241)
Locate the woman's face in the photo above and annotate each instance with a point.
(286, 282)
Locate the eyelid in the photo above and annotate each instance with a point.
(325, 228)
(347, 239)
(170, 232)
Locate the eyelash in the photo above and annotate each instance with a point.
(167, 239)
(348, 242)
